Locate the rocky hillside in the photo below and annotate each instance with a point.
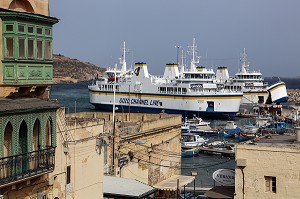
(68, 70)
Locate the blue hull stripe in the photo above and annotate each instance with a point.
(204, 114)
(283, 99)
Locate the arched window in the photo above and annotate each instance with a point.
(49, 132)
(23, 131)
(36, 141)
(21, 5)
(7, 147)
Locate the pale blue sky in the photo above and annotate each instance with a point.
(94, 31)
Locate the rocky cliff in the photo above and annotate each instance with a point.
(68, 70)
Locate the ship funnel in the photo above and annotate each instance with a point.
(222, 74)
(171, 71)
(141, 69)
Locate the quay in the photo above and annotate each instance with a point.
(217, 151)
(214, 151)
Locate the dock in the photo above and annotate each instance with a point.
(218, 151)
(215, 151)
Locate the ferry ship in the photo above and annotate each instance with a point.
(191, 92)
(255, 89)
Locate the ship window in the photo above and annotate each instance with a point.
(184, 90)
(270, 184)
(175, 90)
(179, 90)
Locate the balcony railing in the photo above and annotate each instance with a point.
(23, 166)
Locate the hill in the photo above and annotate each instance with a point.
(68, 70)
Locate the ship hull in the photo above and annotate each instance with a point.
(206, 106)
(255, 97)
(278, 92)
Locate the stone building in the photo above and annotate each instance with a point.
(79, 156)
(144, 147)
(27, 116)
(269, 168)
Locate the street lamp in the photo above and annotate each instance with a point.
(178, 47)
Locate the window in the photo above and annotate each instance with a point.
(21, 28)
(27, 41)
(21, 47)
(39, 46)
(9, 47)
(30, 48)
(48, 32)
(270, 184)
(68, 174)
(30, 29)
(9, 28)
(39, 31)
(48, 53)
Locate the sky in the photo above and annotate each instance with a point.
(94, 31)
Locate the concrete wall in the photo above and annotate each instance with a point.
(84, 157)
(280, 161)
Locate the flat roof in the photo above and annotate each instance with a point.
(125, 188)
(275, 140)
(9, 105)
(171, 183)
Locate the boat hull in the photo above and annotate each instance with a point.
(278, 92)
(223, 107)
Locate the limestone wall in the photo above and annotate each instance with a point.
(282, 162)
(84, 158)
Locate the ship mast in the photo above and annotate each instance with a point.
(123, 58)
(244, 61)
(195, 58)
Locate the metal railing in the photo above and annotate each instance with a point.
(18, 167)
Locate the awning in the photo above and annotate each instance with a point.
(125, 188)
(223, 192)
(171, 183)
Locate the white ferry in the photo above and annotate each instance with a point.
(255, 89)
(192, 92)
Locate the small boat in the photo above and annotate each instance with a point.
(186, 153)
(227, 135)
(198, 126)
(274, 127)
(231, 127)
(189, 140)
(244, 137)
